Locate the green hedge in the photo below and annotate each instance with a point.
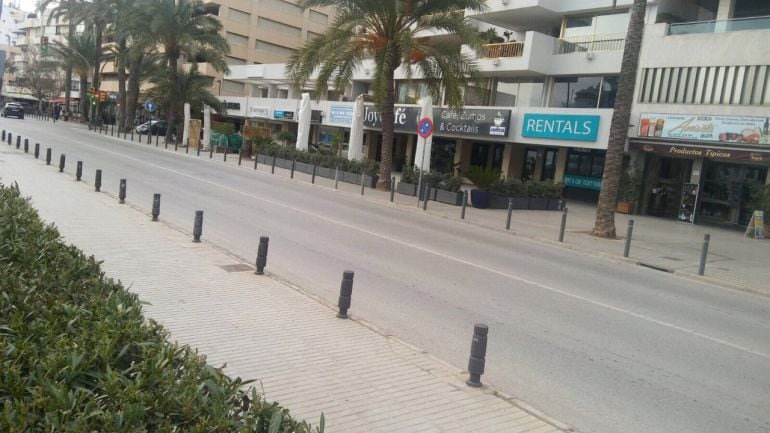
(443, 181)
(321, 158)
(76, 354)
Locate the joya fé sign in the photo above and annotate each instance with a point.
(561, 126)
(469, 122)
(724, 129)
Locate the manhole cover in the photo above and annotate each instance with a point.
(240, 267)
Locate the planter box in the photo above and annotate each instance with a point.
(555, 204)
(480, 199)
(283, 163)
(304, 167)
(325, 172)
(501, 202)
(448, 197)
(626, 207)
(537, 203)
(262, 159)
(355, 178)
(407, 188)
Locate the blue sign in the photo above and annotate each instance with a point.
(561, 126)
(582, 182)
(149, 106)
(280, 114)
(341, 114)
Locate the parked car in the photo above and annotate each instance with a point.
(13, 109)
(155, 127)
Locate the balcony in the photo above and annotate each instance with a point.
(505, 49)
(735, 25)
(590, 43)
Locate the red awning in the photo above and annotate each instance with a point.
(57, 100)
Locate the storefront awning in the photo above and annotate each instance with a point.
(674, 149)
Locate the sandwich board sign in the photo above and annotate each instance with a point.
(756, 227)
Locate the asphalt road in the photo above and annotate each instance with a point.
(602, 346)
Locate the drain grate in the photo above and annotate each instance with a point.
(673, 259)
(656, 267)
(240, 267)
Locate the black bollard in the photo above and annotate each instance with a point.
(176, 145)
(37, 150)
(61, 163)
(256, 160)
(336, 177)
(392, 188)
(198, 226)
(125, 133)
(198, 150)
(465, 204)
(156, 140)
(187, 148)
(225, 158)
(18, 141)
(48, 156)
(79, 171)
(155, 206)
(293, 163)
(98, 181)
(10, 138)
(3, 134)
(346, 290)
(629, 233)
(363, 177)
(26, 145)
(211, 151)
(563, 224)
(112, 130)
(240, 157)
(272, 168)
(704, 254)
(510, 212)
(262, 255)
(312, 178)
(122, 191)
(426, 196)
(149, 138)
(132, 134)
(478, 354)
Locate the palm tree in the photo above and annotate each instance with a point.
(387, 33)
(79, 53)
(604, 226)
(182, 29)
(64, 9)
(194, 87)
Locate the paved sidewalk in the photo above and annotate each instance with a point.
(303, 356)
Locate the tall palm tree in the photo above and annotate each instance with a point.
(182, 29)
(195, 88)
(79, 53)
(387, 33)
(64, 9)
(604, 226)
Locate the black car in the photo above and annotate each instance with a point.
(13, 109)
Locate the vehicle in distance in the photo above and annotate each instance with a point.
(13, 109)
(154, 127)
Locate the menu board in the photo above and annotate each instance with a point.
(688, 203)
(756, 228)
(723, 129)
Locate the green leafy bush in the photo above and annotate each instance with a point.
(760, 198)
(511, 187)
(544, 189)
(444, 181)
(76, 354)
(410, 174)
(483, 178)
(321, 158)
(223, 127)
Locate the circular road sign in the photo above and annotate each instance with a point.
(149, 106)
(425, 127)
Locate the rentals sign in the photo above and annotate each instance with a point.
(561, 126)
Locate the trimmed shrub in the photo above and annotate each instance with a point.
(76, 354)
(321, 158)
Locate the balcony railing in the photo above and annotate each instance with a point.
(505, 49)
(753, 23)
(580, 44)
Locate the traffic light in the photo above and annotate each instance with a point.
(44, 44)
(102, 96)
(91, 92)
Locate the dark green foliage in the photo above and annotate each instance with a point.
(483, 178)
(443, 181)
(76, 354)
(760, 198)
(532, 189)
(321, 158)
(510, 187)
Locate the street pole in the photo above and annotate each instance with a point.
(419, 182)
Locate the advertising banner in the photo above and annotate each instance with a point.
(470, 122)
(341, 114)
(722, 129)
(561, 126)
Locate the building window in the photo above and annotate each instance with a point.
(275, 26)
(585, 163)
(282, 6)
(277, 50)
(234, 61)
(604, 32)
(233, 87)
(717, 85)
(311, 35)
(410, 92)
(236, 39)
(510, 92)
(318, 17)
(584, 92)
(238, 16)
(475, 95)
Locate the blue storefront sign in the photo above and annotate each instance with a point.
(582, 182)
(561, 126)
(341, 114)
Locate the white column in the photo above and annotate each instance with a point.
(725, 9)
(206, 127)
(186, 126)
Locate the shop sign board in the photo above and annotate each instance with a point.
(688, 203)
(469, 122)
(582, 182)
(342, 114)
(259, 111)
(700, 151)
(280, 114)
(578, 127)
(723, 129)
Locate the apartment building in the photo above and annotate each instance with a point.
(11, 20)
(702, 109)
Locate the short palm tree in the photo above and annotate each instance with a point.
(182, 30)
(387, 33)
(79, 53)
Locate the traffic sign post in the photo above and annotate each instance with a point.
(424, 130)
(150, 106)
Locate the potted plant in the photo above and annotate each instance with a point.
(507, 189)
(409, 179)
(445, 188)
(538, 194)
(553, 192)
(628, 190)
(484, 179)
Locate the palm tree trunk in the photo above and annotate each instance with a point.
(604, 226)
(97, 64)
(68, 72)
(173, 98)
(84, 95)
(122, 83)
(388, 118)
(132, 97)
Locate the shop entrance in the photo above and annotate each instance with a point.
(727, 192)
(665, 179)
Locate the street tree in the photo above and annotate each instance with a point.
(40, 76)
(63, 9)
(387, 34)
(604, 226)
(78, 53)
